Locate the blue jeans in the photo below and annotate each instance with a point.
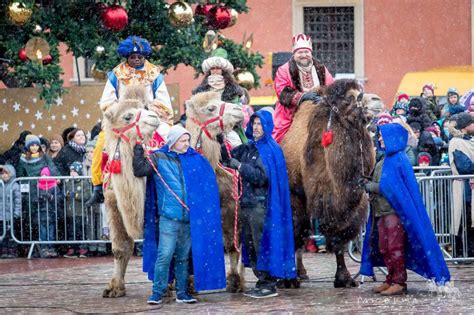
(174, 240)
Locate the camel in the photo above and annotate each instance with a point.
(324, 180)
(201, 108)
(125, 193)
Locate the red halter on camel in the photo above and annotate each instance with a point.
(204, 125)
(121, 131)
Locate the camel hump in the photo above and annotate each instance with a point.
(134, 92)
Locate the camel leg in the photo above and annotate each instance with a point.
(234, 283)
(343, 277)
(122, 248)
(300, 269)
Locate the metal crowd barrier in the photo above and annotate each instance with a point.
(54, 212)
(3, 213)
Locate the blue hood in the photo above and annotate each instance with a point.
(395, 137)
(266, 120)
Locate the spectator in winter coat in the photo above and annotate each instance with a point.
(175, 203)
(432, 107)
(8, 247)
(55, 146)
(73, 151)
(417, 113)
(461, 159)
(453, 106)
(400, 109)
(265, 215)
(13, 154)
(427, 144)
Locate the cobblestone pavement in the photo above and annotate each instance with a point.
(58, 286)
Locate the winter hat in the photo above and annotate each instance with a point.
(415, 126)
(452, 91)
(76, 166)
(424, 158)
(403, 96)
(134, 45)
(401, 105)
(90, 144)
(384, 118)
(433, 130)
(415, 105)
(218, 59)
(31, 139)
(46, 184)
(463, 120)
(428, 86)
(302, 41)
(175, 133)
(58, 138)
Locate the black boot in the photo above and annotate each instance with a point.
(96, 198)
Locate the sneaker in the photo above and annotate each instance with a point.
(310, 246)
(83, 253)
(154, 299)
(264, 293)
(52, 253)
(185, 298)
(321, 248)
(70, 254)
(250, 292)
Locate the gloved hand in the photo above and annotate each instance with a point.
(220, 138)
(372, 187)
(97, 197)
(310, 96)
(234, 163)
(225, 158)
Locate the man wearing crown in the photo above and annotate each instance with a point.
(297, 81)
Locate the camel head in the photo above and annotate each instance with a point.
(347, 96)
(207, 105)
(130, 115)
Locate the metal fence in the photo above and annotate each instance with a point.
(3, 212)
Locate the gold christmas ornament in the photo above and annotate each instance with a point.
(37, 49)
(18, 13)
(244, 78)
(98, 74)
(210, 41)
(180, 14)
(99, 49)
(234, 16)
(37, 29)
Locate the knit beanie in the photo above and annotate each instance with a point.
(452, 91)
(424, 158)
(31, 139)
(76, 167)
(463, 120)
(384, 118)
(403, 97)
(175, 133)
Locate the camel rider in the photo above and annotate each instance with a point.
(265, 215)
(296, 82)
(134, 70)
(218, 77)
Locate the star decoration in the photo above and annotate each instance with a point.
(33, 126)
(64, 117)
(53, 117)
(49, 128)
(35, 100)
(20, 124)
(58, 101)
(82, 102)
(4, 101)
(88, 115)
(4, 127)
(16, 107)
(27, 110)
(75, 112)
(74, 125)
(39, 115)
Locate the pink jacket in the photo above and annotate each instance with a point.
(283, 116)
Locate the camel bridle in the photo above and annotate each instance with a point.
(121, 131)
(203, 125)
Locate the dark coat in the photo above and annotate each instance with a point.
(427, 144)
(66, 157)
(254, 178)
(417, 113)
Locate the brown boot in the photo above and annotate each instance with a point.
(384, 286)
(394, 289)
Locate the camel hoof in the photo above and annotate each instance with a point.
(113, 293)
(346, 283)
(288, 283)
(302, 274)
(233, 283)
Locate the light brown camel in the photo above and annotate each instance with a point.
(201, 108)
(125, 193)
(324, 180)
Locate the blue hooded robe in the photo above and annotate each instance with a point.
(202, 198)
(399, 187)
(277, 249)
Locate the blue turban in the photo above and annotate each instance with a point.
(134, 45)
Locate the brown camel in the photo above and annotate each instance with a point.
(125, 193)
(324, 180)
(201, 108)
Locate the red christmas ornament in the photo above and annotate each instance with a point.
(203, 9)
(115, 18)
(47, 59)
(219, 17)
(22, 54)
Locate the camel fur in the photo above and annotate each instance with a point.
(202, 107)
(125, 193)
(324, 180)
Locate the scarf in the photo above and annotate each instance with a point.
(308, 77)
(216, 81)
(79, 148)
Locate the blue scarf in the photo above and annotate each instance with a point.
(398, 185)
(202, 198)
(277, 249)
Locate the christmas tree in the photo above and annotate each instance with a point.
(93, 29)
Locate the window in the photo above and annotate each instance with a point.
(332, 32)
(84, 65)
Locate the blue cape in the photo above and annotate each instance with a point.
(277, 249)
(202, 198)
(399, 186)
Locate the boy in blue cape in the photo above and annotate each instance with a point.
(399, 234)
(266, 216)
(183, 205)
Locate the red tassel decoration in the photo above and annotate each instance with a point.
(115, 166)
(327, 138)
